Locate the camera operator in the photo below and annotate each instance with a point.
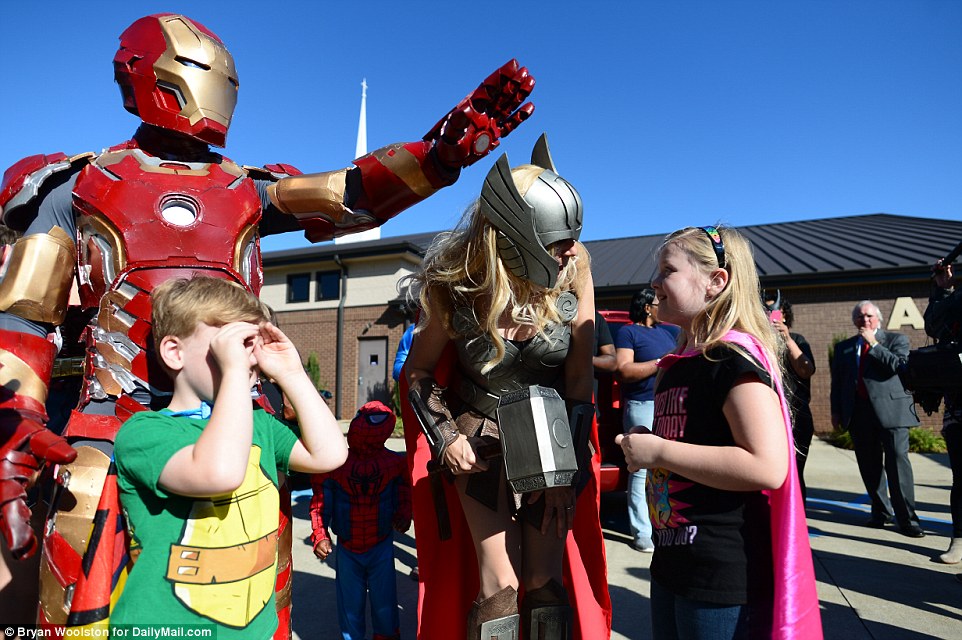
(943, 322)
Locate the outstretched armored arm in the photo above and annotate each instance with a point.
(385, 182)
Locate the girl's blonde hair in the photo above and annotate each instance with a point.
(462, 269)
(180, 304)
(738, 306)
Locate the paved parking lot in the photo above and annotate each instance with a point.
(872, 584)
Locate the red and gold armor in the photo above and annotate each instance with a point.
(158, 206)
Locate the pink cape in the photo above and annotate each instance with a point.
(796, 613)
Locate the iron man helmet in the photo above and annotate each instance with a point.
(550, 211)
(175, 73)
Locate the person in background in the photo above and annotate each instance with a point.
(869, 400)
(639, 346)
(943, 322)
(604, 358)
(402, 351)
(732, 558)
(361, 502)
(798, 366)
(8, 237)
(400, 357)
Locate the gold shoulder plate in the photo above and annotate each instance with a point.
(39, 273)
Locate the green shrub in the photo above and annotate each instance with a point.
(925, 441)
(920, 440)
(836, 338)
(841, 439)
(398, 428)
(313, 369)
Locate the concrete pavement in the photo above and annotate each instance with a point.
(873, 584)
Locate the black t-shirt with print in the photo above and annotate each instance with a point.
(710, 545)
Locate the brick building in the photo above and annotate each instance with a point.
(824, 267)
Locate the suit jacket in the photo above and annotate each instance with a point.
(893, 405)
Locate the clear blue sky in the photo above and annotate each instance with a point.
(662, 114)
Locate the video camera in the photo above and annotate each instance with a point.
(934, 371)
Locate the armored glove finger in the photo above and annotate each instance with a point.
(474, 127)
(25, 445)
(15, 519)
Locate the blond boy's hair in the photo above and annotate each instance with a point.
(180, 304)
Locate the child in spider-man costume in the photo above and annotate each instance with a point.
(360, 502)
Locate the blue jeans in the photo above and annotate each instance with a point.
(638, 412)
(677, 618)
(360, 574)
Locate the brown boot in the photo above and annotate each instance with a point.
(495, 618)
(546, 614)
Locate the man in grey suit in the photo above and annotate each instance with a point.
(868, 399)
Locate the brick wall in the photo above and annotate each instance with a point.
(316, 331)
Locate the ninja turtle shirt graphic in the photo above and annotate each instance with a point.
(203, 560)
(710, 544)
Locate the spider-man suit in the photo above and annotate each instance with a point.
(361, 502)
(158, 206)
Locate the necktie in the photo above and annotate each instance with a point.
(860, 389)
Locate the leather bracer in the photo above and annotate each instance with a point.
(427, 400)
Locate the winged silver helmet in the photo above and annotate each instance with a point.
(550, 211)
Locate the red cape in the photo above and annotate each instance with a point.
(448, 570)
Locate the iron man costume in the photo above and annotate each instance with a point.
(158, 206)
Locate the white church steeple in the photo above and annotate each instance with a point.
(360, 150)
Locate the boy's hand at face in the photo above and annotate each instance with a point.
(275, 353)
(233, 346)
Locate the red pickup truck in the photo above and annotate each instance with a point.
(614, 473)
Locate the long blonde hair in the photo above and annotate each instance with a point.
(738, 306)
(462, 268)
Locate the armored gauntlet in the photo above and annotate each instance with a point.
(25, 365)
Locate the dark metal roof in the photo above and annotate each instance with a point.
(416, 243)
(878, 247)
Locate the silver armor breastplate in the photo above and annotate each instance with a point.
(538, 361)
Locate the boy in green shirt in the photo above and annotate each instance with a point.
(198, 480)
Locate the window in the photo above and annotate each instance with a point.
(328, 285)
(298, 287)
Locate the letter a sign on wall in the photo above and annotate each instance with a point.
(905, 313)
